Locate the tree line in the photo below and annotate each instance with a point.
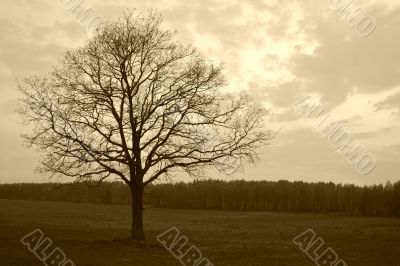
(298, 196)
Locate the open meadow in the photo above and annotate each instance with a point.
(93, 234)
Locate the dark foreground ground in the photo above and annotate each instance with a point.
(94, 235)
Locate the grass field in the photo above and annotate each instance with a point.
(94, 235)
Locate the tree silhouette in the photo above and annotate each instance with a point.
(135, 104)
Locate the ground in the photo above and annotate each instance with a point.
(93, 234)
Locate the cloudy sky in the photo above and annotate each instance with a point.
(279, 51)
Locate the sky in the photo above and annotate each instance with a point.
(278, 51)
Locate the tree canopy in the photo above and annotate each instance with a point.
(136, 104)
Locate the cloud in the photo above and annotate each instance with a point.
(330, 58)
(283, 95)
(60, 30)
(345, 63)
(351, 121)
(391, 102)
(21, 55)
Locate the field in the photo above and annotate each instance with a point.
(92, 234)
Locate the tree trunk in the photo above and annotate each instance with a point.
(137, 232)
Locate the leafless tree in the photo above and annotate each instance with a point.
(135, 104)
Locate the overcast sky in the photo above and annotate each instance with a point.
(279, 51)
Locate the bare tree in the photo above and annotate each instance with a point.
(135, 104)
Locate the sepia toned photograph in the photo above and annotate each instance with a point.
(200, 133)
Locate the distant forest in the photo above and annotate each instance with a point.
(377, 200)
